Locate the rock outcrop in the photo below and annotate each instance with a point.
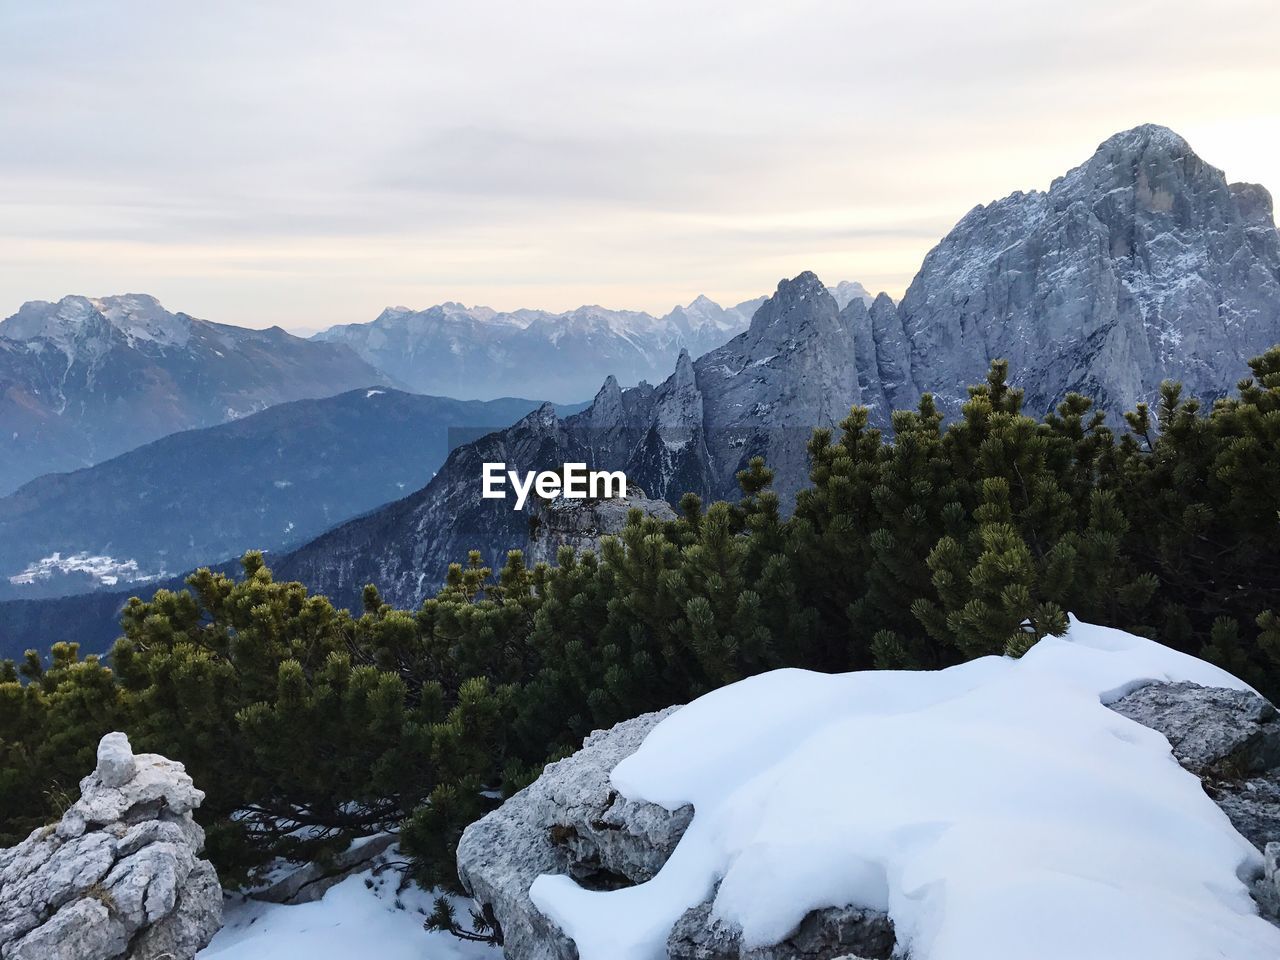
(118, 876)
(570, 820)
(836, 933)
(1230, 739)
(581, 524)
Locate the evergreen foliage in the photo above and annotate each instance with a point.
(307, 725)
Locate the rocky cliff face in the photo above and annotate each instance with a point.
(118, 876)
(1141, 264)
(573, 821)
(763, 392)
(84, 379)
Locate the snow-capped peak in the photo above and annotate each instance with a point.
(75, 319)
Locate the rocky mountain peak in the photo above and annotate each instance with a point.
(794, 300)
(1139, 265)
(77, 319)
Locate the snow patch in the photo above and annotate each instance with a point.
(996, 810)
(108, 571)
(363, 916)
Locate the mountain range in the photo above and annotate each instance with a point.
(1143, 263)
(478, 352)
(1139, 265)
(761, 393)
(85, 379)
(271, 481)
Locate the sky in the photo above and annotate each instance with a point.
(309, 163)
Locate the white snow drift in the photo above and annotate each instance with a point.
(997, 810)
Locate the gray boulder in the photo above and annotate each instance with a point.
(1212, 730)
(1229, 738)
(118, 876)
(570, 820)
(310, 881)
(835, 932)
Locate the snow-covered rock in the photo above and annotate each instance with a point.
(570, 820)
(997, 810)
(118, 876)
(374, 914)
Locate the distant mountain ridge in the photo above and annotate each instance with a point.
(1141, 264)
(269, 481)
(82, 380)
(478, 352)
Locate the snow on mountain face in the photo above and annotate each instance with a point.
(84, 379)
(73, 321)
(477, 352)
(1139, 265)
(969, 804)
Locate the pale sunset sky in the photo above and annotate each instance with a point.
(308, 163)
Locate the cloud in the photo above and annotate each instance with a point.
(252, 160)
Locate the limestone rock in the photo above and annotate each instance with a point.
(570, 820)
(118, 875)
(1210, 729)
(1229, 738)
(822, 935)
(310, 881)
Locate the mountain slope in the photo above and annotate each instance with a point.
(82, 380)
(762, 393)
(269, 481)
